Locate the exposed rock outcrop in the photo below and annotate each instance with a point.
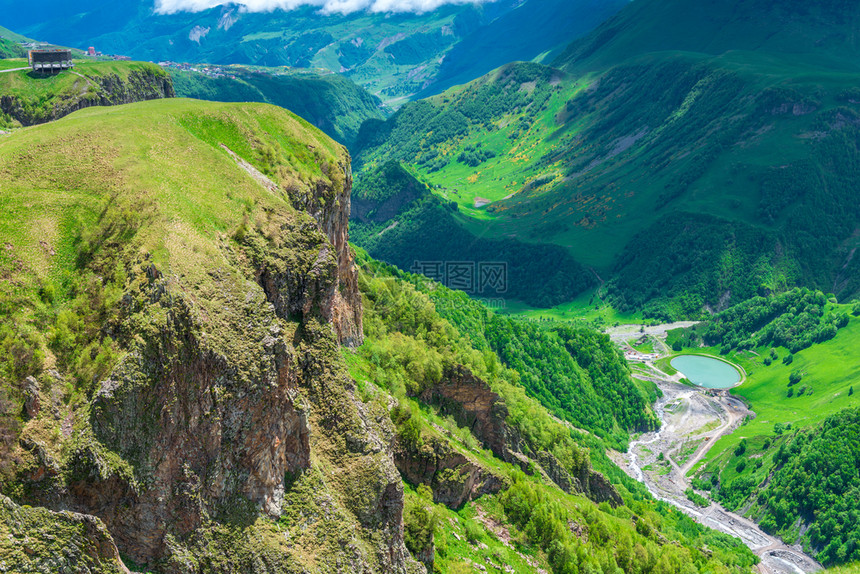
(454, 478)
(588, 481)
(330, 206)
(145, 82)
(32, 401)
(473, 404)
(38, 540)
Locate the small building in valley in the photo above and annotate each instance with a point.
(51, 61)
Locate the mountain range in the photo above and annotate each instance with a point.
(394, 56)
(707, 164)
(428, 318)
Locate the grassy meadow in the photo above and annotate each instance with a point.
(829, 370)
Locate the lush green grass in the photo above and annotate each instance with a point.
(39, 98)
(108, 171)
(587, 306)
(329, 101)
(681, 175)
(511, 113)
(829, 368)
(11, 64)
(847, 569)
(26, 84)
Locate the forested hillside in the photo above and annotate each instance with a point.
(803, 485)
(576, 373)
(689, 170)
(416, 331)
(397, 219)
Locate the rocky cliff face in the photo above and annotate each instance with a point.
(212, 423)
(227, 435)
(473, 404)
(330, 206)
(38, 540)
(149, 82)
(454, 478)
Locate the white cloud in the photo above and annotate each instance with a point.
(326, 6)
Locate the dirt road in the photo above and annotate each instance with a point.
(692, 422)
(629, 332)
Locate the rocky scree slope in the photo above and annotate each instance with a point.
(173, 318)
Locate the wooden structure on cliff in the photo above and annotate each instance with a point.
(51, 61)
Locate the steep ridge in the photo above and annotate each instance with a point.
(534, 29)
(473, 444)
(331, 102)
(191, 391)
(36, 539)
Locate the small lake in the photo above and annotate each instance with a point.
(707, 372)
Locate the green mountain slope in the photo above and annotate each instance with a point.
(822, 33)
(396, 218)
(169, 340)
(528, 32)
(329, 101)
(394, 55)
(414, 330)
(29, 99)
(685, 179)
(186, 364)
(10, 44)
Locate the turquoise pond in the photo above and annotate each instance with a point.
(707, 372)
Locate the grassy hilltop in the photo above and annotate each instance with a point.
(30, 98)
(331, 102)
(129, 238)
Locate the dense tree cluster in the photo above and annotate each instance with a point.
(550, 525)
(426, 231)
(795, 319)
(817, 480)
(576, 373)
(410, 345)
(688, 263)
(475, 155)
